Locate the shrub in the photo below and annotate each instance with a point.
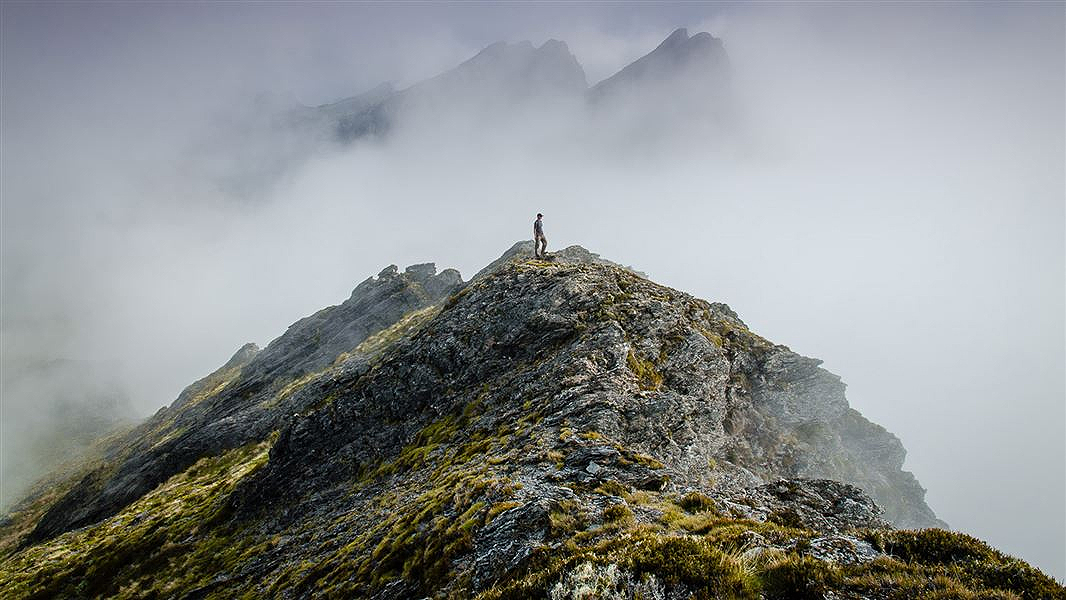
(618, 514)
(696, 564)
(799, 578)
(695, 502)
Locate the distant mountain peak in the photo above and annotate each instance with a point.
(676, 38)
(522, 50)
(505, 82)
(517, 69)
(679, 56)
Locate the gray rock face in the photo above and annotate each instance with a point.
(555, 391)
(629, 383)
(819, 504)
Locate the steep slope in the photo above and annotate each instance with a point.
(246, 399)
(552, 426)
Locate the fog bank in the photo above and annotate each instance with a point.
(892, 204)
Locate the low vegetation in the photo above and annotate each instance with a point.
(160, 545)
(428, 509)
(706, 555)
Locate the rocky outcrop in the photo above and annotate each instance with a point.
(549, 426)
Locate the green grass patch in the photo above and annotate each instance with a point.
(169, 541)
(648, 376)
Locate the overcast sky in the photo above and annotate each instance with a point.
(897, 210)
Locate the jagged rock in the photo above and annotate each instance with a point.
(842, 549)
(818, 504)
(421, 272)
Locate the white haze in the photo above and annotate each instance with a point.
(895, 209)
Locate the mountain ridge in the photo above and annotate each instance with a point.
(516, 90)
(547, 426)
(521, 72)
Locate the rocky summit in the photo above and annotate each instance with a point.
(561, 428)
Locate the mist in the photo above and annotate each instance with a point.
(890, 199)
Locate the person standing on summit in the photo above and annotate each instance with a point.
(540, 243)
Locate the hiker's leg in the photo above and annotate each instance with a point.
(543, 246)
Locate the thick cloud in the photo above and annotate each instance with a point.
(893, 205)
